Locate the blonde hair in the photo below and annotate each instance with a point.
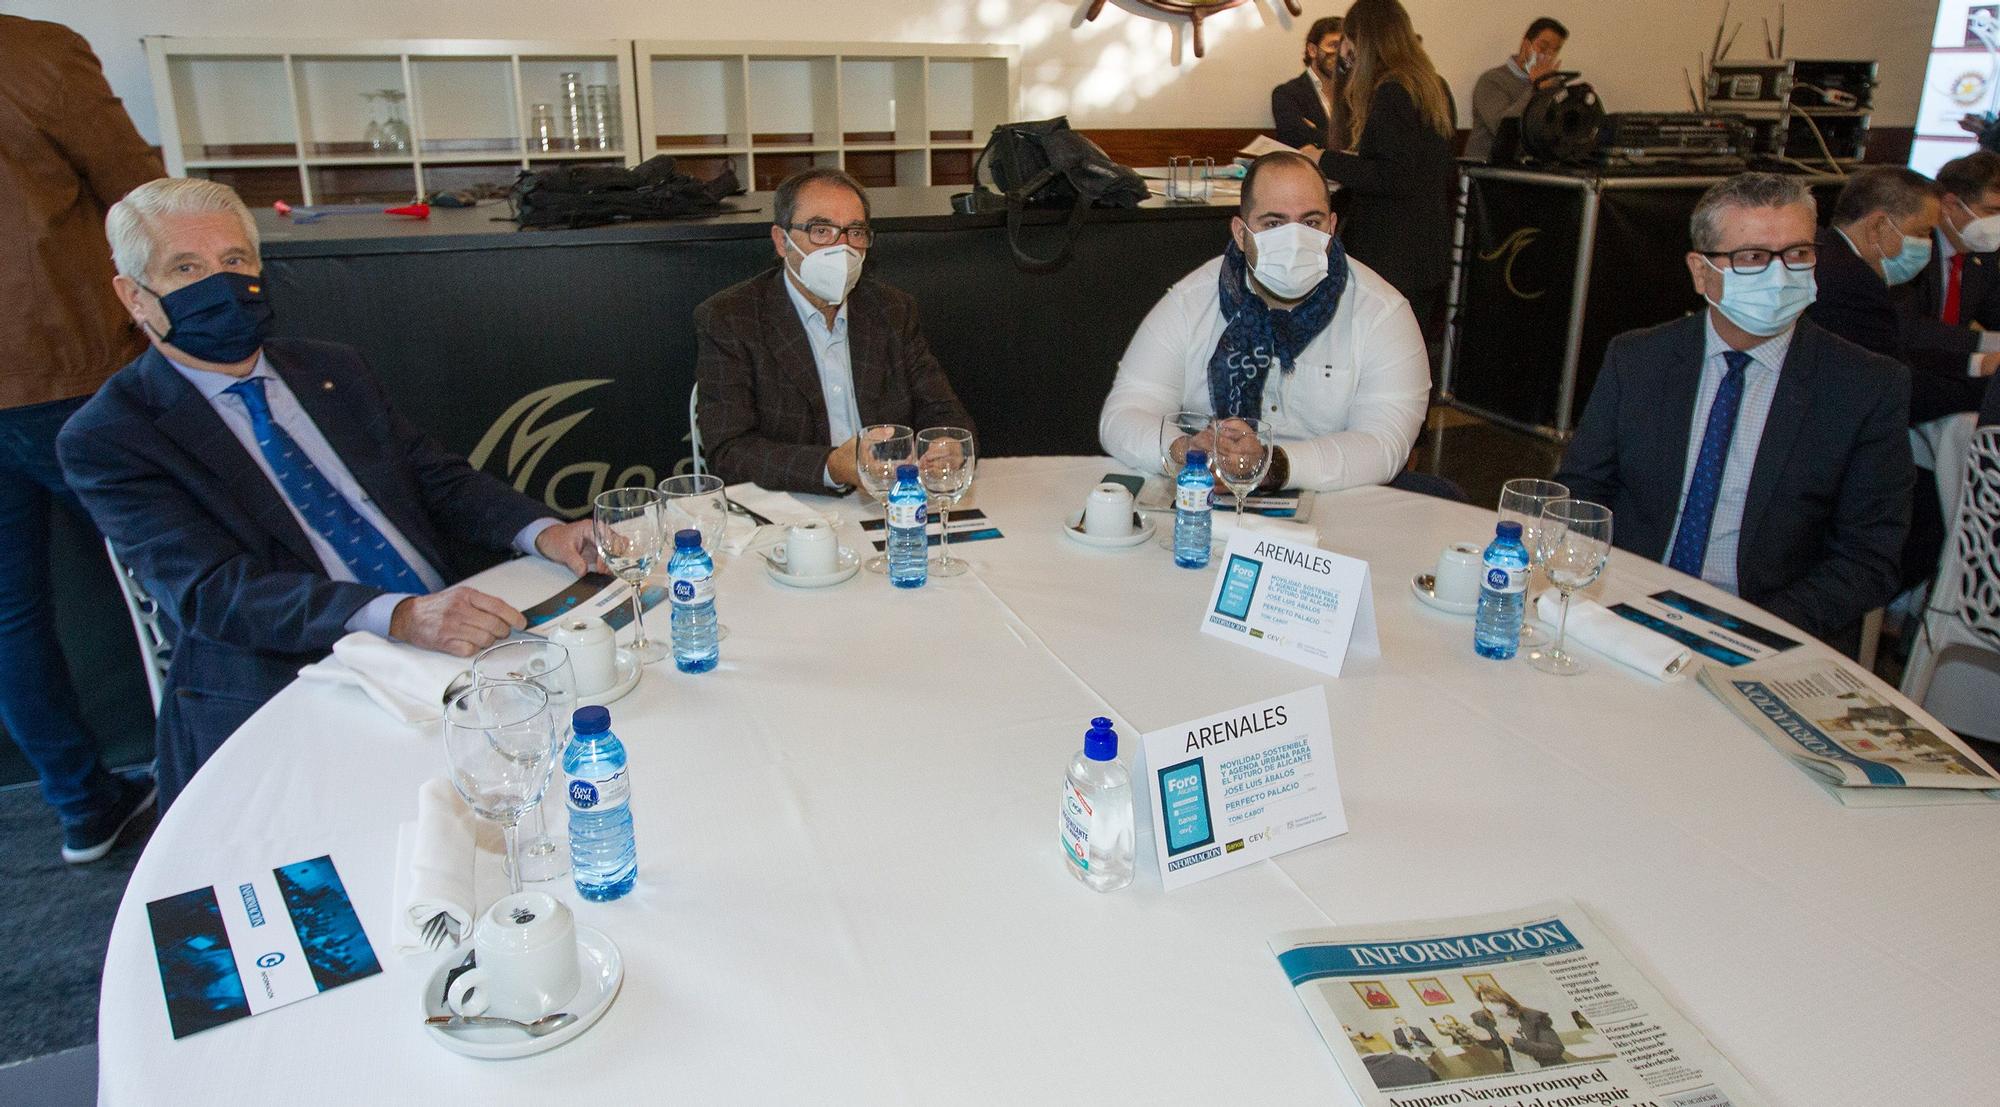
(1386, 49)
(129, 223)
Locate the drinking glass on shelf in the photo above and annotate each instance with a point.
(1241, 456)
(695, 501)
(542, 129)
(543, 855)
(573, 123)
(598, 115)
(1574, 540)
(1180, 432)
(945, 460)
(630, 538)
(395, 132)
(1521, 501)
(878, 449)
(500, 744)
(372, 137)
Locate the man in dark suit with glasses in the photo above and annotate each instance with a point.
(793, 363)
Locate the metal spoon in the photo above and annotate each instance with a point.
(460, 684)
(547, 1024)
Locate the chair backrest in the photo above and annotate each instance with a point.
(1976, 538)
(694, 427)
(156, 649)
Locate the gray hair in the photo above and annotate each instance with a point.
(129, 223)
(1744, 190)
(785, 201)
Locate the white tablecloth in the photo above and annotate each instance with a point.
(851, 890)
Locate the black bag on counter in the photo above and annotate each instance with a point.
(586, 195)
(1044, 164)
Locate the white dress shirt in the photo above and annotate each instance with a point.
(1760, 384)
(286, 413)
(1346, 415)
(836, 367)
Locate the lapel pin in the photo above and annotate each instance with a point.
(326, 386)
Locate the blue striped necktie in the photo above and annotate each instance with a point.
(368, 555)
(1698, 513)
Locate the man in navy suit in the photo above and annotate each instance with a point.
(264, 490)
(1953, 305)
(1302, 108)
(1746, 445)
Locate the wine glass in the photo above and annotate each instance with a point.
(1241, 456)
(1575, 540)
(1522, 500)
(945, 463)
(544, 856)
(1189, 425)
(878, 449)
(695, 501)
(500, 743)
(630, 537)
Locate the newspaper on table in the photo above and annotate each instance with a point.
(1514, 1009)
(1864, 743)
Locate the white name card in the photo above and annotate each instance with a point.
(1237, 787)
(1294, 601)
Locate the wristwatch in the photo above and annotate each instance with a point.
(1280, 473)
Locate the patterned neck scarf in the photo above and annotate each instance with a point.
(1241, 363)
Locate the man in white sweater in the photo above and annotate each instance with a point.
(1286, 329)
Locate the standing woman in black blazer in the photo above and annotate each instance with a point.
(1399, 167)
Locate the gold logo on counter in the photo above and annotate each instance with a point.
(1511, 250)
(528, 440)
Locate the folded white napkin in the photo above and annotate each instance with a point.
(1621, 640)
(1222, 522)
(782, 508)
(434, 868)
(407, 682)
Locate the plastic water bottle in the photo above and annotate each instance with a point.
(602, 853)
(691, 574)
(1096, 822)
(1194, 496)
(909, 549)
(1503, 594)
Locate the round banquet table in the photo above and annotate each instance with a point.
(851, 890)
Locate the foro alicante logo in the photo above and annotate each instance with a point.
(1511, 251)
(271, 960)
(527, 431)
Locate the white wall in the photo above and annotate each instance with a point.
(1123, 70)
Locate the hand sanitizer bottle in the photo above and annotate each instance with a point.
(1096, 820)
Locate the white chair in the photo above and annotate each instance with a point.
(156, 650)
(694, 428)
(1960, 632)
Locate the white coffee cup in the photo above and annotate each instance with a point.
(1459, 569)
(593, 652)
(811, 549)
(526, 966)
(1108, 511)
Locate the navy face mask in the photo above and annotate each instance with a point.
(221, 318)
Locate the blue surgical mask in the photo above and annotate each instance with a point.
(1906, 265)
(1767, 303)
(221, 318)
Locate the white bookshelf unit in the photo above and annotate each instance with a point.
(290, 119)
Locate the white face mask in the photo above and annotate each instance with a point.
(829, 273)
(1982, 235)
(1768, 303)
(1291, 260)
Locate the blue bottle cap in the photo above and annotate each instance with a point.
(1101, 743)
(690, 539)
(906, 473)
(1197, 459)
(1509, 530)
(591, 720)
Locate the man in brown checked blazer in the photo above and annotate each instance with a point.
(795, 361)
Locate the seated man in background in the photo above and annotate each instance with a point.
(263, 489)
(1880, 237)
(1744, 444)
(1303, 109)
(1285, 328)
(1960, 289)
(795, 361)
(1503, 91)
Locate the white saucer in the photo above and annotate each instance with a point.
(1142, 529)
(774, 564)
(597, 962)
(627, 679)
(1423, 584)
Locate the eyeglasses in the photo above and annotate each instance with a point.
(824, 232)
(1754, 260)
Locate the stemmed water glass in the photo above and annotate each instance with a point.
(878, 450)
(695, 501)
(1522, 500)
(1574, 539)
(1189, 425)
(631, 534)
(1241, 456)
(945, 463)
(500, 743)
(544, 855)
